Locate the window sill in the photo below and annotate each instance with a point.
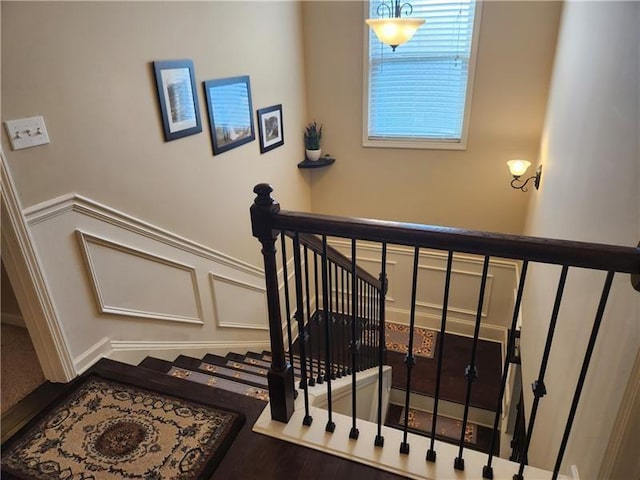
(416, 144)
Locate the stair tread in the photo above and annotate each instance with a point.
(196, 364)
(155, 364)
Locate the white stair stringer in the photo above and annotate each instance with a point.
(412, 465)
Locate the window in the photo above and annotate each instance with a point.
(419, 95)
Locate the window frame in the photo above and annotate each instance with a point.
(425, 143)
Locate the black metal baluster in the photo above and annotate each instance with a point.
(471, 373)
(431, 453)
(379, 441)
(363, 327)
(583, 372)
(365, 324)
(287, 302)
(409, 360)
(337, 326)
(487, 470)
(312, 319)
(354, 346)
(372, 356)
(308, 329)
(330, 370)
(350, 294)
(326, 297)
(539, 389)
(346, 292)
(343, 324)
(372, 327)
(301, 330)
(319, 379)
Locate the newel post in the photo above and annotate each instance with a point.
(280, 376)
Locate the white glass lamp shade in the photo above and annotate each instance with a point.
(518, 167)
(394, 31)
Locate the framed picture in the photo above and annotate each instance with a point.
(270, 128)
(178, 98)
(230, 112)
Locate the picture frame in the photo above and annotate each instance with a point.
(178, 98)
(230, 112)
(270, 128)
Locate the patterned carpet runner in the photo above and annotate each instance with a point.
(108, 430)
(397, 340)
(446, 427)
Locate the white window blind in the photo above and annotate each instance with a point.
(418, 92)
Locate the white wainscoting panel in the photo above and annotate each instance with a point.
(497, 308)
(130, 282)
(125, 288)
(464, 284)
(238, 304)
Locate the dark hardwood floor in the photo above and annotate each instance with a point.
(457, 355)
(453, 386)
(252, 455)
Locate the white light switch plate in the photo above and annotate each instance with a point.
(26, 132)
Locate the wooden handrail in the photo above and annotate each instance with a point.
(267, 221)
(560, 252)
(315, 244)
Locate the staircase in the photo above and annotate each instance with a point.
(246, 374)
(242, 374)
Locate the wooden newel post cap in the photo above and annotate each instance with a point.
(263, 194)
(264, 206)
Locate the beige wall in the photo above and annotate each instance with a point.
(456, 188)
(85, 66)
(590, 192)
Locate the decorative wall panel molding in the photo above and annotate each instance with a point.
(113, 276)
(134, 283)
(461, 299)
(241, 301)
(466, 277)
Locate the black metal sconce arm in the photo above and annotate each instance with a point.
(536, 181)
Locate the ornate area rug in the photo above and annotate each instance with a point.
(109, 430)
(397, 339)
(445, 426)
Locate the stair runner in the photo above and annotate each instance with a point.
(242, 374)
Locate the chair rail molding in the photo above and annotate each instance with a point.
(77, 203)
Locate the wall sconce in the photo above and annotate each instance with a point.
(394, 31)
(518, 168)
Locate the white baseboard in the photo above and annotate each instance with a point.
(91, 355)
(13, 319)
(136, 351)
(492, 333)
(574, 473)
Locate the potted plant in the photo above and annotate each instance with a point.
(312, 137)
